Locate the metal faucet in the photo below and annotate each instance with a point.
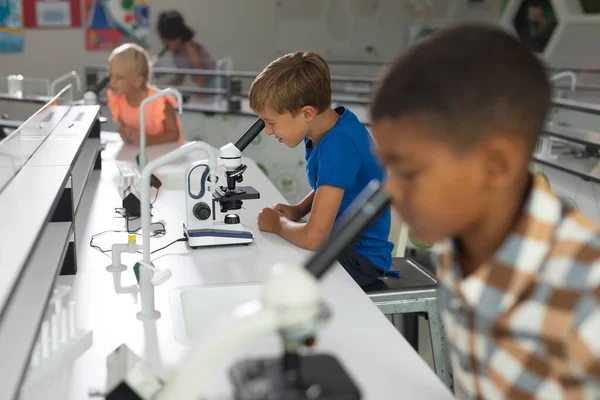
(63, 78)
(143, 159)
(555, 114)
(146, 286)
(566, 74)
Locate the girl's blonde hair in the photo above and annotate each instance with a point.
(136, 56)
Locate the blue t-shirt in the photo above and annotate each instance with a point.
(343, 158)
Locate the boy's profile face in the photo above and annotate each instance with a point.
(437, 191)
(287, 128)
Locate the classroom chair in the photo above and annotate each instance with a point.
(414, 293)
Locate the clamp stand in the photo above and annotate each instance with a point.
(130, 247)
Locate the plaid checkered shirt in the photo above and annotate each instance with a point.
(526, 324)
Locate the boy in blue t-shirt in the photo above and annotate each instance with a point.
(293, 96)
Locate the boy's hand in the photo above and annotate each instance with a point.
(269, 220)
(290, 212)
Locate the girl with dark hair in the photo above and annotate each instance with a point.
(177, 37)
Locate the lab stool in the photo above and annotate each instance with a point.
(414, 293)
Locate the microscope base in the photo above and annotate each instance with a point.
(320, 377)
(218, 235)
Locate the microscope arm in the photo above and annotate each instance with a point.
(290, 302)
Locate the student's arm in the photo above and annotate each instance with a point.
(298, 211)
(113, 104)
(339, 163)
(126, 133)
(312, 234)
(196, 59)
(170, 132)
(123, 132)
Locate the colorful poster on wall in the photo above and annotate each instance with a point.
(11, 26)
(110, 23)
(52, 13)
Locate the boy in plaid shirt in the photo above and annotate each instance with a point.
(455, 120)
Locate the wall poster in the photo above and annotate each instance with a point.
(52, 13)
(110, 23)
(11, 26)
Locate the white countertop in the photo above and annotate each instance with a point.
(378, 358)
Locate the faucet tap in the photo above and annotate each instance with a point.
(63, 78)
(146, 286)
(566, 74)
(174, 92)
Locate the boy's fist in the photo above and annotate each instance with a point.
(288, 211)
(268, 220)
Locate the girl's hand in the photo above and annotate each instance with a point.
(131, 136)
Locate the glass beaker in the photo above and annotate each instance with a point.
(15, 86)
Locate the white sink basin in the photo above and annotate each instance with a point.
(195, 309)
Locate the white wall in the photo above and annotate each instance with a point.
(222, 25)
(252, 32)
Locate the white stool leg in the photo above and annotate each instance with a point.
(400, 249)
(441, 353)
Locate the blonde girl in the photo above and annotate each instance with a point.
(129, 69)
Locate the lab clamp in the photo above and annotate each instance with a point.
(203, 227)
(290, 304)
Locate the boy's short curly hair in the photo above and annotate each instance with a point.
(291, 82)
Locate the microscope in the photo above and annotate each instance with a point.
(210, 213)
(290, 304)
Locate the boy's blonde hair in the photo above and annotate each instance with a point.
(136, 56)
(291, 82)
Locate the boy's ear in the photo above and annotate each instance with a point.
(308, 112)
(502, 160)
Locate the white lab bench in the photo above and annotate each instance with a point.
(378, 358)
(39, 205)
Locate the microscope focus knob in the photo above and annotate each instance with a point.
(201, 211)
(231, 219)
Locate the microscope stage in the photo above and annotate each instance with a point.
(218, 235)
(319, 377)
